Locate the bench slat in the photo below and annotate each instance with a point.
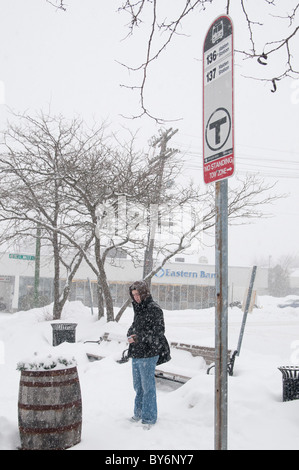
(208, 353)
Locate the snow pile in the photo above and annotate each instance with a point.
(48, 362)
(257, 416)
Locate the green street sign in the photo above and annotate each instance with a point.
(24, 257)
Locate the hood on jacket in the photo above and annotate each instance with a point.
(142, 288)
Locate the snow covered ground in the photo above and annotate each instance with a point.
(257, 416)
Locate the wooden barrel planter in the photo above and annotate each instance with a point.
(50, 409)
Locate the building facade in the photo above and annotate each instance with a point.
(177, 286)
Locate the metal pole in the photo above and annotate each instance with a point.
(221, 200)
(90, 295)
(247, 305)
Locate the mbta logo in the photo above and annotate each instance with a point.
(218, 129)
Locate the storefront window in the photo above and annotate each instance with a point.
(26, 292)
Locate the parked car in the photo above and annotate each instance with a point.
(290, 303)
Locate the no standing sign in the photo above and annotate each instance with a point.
(218, 117)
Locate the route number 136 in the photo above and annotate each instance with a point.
(211, 57)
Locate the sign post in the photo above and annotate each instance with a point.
(221, 372)
(218, 165)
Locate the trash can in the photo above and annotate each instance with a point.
(290, 381)
(64, 332)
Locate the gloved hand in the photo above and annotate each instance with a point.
(132, 339)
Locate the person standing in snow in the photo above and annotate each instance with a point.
(148, 347)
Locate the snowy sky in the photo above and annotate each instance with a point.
(67, 62)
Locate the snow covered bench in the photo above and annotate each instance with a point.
(94, 355)
(206, 352)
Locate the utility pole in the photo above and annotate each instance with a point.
(162, 157)
(37, 267)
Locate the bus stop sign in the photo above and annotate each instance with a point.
(218, 116)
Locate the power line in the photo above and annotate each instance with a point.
(262, 163)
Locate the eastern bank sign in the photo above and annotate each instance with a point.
(185, 274)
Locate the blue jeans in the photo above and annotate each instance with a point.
(144, 383)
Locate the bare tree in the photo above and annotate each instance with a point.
(161, 25)
(97, 184)
(56, 175)
(33, 192)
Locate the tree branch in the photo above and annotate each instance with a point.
(59, 4)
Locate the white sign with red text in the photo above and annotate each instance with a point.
(218, 116)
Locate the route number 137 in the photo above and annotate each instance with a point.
(211, 75)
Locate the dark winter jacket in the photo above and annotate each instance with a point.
(149, 328)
